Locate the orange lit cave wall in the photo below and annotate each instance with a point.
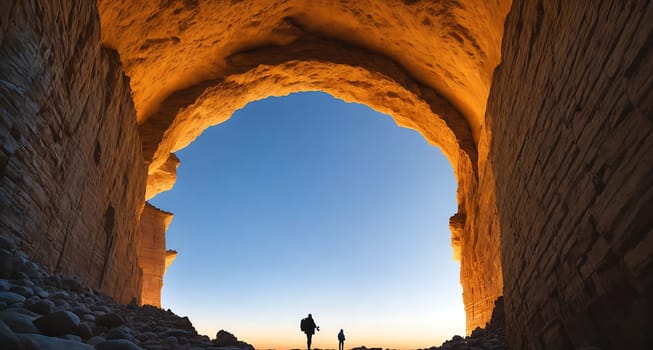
(571, 113)
(153, 256)
(72, 176)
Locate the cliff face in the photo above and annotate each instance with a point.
(72, 177)
(152, 255)
(554, 177)
(571, 112)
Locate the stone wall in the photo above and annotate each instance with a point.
(152, 254)
(571, 113)
(72, 179)
(480, 264)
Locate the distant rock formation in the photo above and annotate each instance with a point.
(365, 348)
(226, 339)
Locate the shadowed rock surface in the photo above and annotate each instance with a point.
(39, 310)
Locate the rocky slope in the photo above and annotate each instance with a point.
(39, 310)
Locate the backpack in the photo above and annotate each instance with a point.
(303, 325)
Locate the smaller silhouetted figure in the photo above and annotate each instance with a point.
(341, 340)
(308, 326)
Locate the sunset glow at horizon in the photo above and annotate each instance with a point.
(307, 204)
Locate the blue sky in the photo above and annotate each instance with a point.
(307, 204)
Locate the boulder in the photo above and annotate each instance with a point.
(60, 295)
(145, 336)
(11, 297)
(26, 283)
(41, 292)
(6, 263)
(224, 338)
(179, 333)
(5, 286)
(84, 330)
(18, 275)
(7, 243)
(72, 337)
(8, 339)
(120, 333)
(50, 343)
(95, 340)
(169, 341)
(43, 307)
(102, 308)
(22, 265)
(23, 290)
(58, 323)
(117, 344)
(18, 321)
(110, 320)
(81, 311)
(72, 283)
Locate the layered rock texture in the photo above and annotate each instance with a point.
(152, 254)
(552, 150)
(571, 110)
(72, 176)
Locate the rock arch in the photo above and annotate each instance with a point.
(365, 52)
(410, 104)
(362, 78)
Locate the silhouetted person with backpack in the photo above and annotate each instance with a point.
(341, 340)
(308, 326)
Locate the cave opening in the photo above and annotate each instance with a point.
(310, 178)
(361, 78)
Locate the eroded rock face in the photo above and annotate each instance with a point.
(572, 117)
(152, 255)
(72, 178)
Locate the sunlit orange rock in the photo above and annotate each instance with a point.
(152, 255)
(171, 255)
(451, 46)
(428, 65)
(162, 178)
